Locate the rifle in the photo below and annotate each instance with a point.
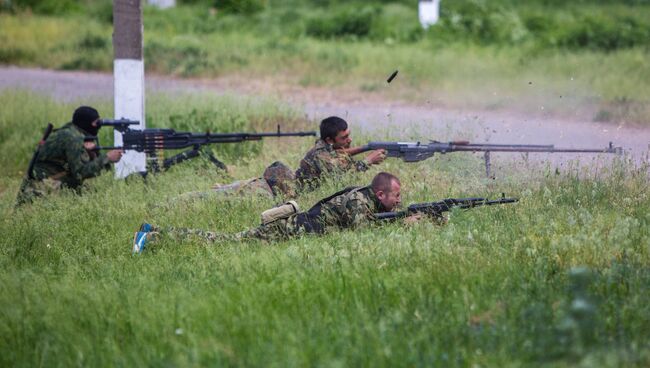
(436, 209)
(416, 151)
(30, 168)
(150, 141)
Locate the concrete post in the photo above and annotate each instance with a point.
(429, 12)
(128, 74)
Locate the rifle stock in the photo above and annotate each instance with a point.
(30, 168)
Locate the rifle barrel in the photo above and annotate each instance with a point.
(400, 148)
(526, 148)
(443, 206)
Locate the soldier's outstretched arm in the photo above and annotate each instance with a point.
(353, 150)
(79, 162)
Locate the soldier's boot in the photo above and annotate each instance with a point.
(145, 235)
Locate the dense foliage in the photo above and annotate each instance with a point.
(598, 25)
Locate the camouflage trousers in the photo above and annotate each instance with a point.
(250, 187)
(31, 189)
(281, 229)
(254, 186)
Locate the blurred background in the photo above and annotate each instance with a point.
(584, 58)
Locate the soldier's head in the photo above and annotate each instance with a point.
(86, 118)
(334, 131)
(387, 189)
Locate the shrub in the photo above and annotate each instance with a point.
(604, 33)
(397, 22)
(50, 7)
(480, 21)
(345, 21)
(240, 6)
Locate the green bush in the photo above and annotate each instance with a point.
(51, 7)
(350, 21)
(240, 6)
(479, 21)
(397, 23)
(604, 33)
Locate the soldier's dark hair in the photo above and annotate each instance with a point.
(331, 126)
(383, 181)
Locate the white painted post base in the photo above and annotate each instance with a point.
(428, 12)
(129, 104)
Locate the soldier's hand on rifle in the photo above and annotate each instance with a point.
(90, 146)
(114, 155)
(410, 220)
(376, 157)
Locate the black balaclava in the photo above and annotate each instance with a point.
(83, 117)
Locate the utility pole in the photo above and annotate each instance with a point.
(128, 75)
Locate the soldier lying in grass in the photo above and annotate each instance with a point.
(330, 156)
(349, 208)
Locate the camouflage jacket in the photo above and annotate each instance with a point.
(324, 159)
(64, 158)
(351, 209)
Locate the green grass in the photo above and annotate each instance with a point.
(497, 286)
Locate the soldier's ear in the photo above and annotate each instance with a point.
(329, 140)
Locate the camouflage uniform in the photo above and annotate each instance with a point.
(62, 162)
(324, 159)
(254, 186)
(278, 179)
(347, 209)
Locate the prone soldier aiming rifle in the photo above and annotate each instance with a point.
(436, 209)
(152, 141)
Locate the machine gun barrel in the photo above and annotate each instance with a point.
(150, 140)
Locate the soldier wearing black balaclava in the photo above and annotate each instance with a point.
(66, 158)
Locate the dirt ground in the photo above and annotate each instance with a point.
(396, 120)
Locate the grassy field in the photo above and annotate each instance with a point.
(559, 279)
(586, 57)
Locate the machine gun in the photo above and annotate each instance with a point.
(436, 209)
(416, 151)
(153, 141)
